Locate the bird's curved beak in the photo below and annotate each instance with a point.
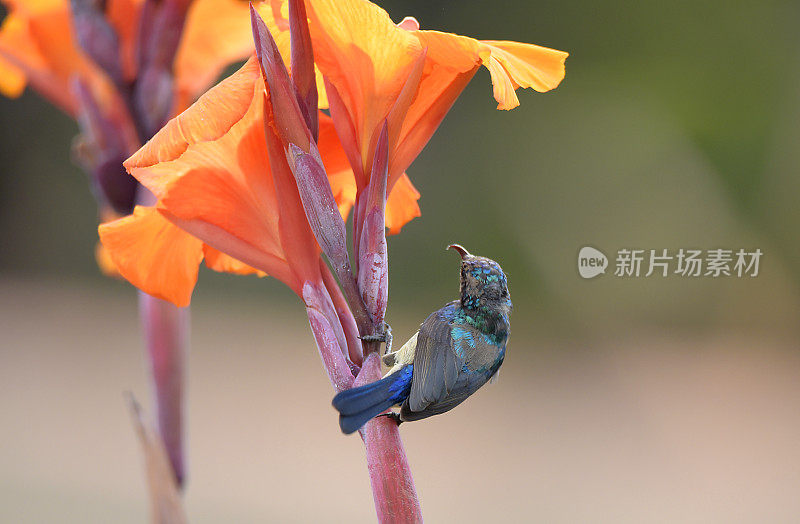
(461, 251)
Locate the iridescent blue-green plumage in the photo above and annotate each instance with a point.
(457, 350)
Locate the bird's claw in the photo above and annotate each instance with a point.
(392, 415)
(385, 337)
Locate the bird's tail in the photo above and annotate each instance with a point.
(357, 406)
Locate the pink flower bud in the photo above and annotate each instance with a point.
(373, 265)
(303, 75)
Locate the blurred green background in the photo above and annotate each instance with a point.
(676, 127)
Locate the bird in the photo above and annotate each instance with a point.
(457, 349)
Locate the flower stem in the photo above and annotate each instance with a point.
(165, 498)
(165, 329)
(343, 311)
(389, 473)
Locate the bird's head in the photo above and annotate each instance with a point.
(483, 283)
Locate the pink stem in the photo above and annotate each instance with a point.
(373, 265)
(165, 330)
(335, 361)
(389, 473)
(345, 316)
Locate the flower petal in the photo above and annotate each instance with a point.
(12, 80)
(153, 254)
(367, 60)
(294, 232)
(219, 261)
(216, 33)
(210, 170)
(101, 255)
(123, 15)
(340, 175)
(528, 65)
(227, 183)
(37, 41)
(502, 86)
(13, 36)
(52, 32)
(104, 262)
(451, 62)
(208, 119)
(365, 57)
(401, 206)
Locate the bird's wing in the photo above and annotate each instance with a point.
(451, 362)
(436, 365)
(467, 382)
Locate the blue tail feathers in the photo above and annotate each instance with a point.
(357, 406)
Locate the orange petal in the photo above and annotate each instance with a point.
(153, 254)
(104, 262)
(219, 187)
(35, 7)
(52, 32)
(22, 61)
(219, 261)
(451, 62)
(300, 246)
(502, 86)
(401, 206)
(455, 52)
(12, 80)
(227, 184)
(101, 255)
(123, 15)
(14, 38)
(528, 65)
(513, 65)
(340, 174)
(216, 33)
(365, 57)
(37, 41)
(227, 102)
(236, 248)
(210, 169)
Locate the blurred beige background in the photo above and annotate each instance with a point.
(622, 400)
(650, 427)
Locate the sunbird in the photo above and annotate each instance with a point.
(457, 350)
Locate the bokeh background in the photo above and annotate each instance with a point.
(621, 400)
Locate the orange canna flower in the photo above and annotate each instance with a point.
(121, 68)
(38, 46)
(375, 70)
(225, 193)
(210, 173)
